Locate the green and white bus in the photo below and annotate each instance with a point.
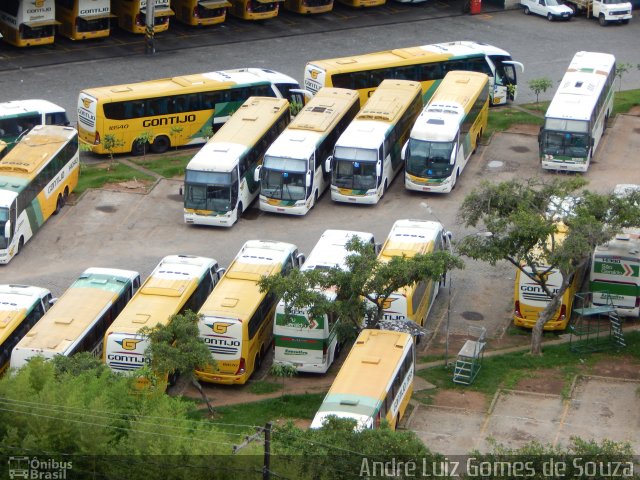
(312, 344)
(578, 114)
(294, 174)
(219, 180)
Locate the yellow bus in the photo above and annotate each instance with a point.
(25, 23)
(255, 9)
(374, 383)
(177, 284)
(362, 3)
(84, 19)
(530, 299)
(368, 154)
(78, 320)
(36, 178)
(427, 64)
(447, 132)
(409, 238)
(308, 6)
(200, 12)
(294, 174)
(132, 15)
(237, 319)
(219, 180)
(175, 111)
(21, 306)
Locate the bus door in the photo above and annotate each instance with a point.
(505, 78)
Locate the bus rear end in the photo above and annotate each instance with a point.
(132, 15)
(124, 352)
(201, 12)
(309, 6)
(26, 23)
(255, 9)
(84, 19)
(315, 78)
(88, 124)
(225, 340)
(530, 299)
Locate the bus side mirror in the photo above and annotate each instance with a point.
(300, 258)
(7, 229)
(448, 236)
(308, 179)
(327, 163)
(256, 173)
(378, 247)
(220, 271)
(403, 154)
(378, 168)
(454, 153)
(52, 301)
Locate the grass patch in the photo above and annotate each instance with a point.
(503, 118)
(168, 166)
(97, 175)
(425, 397)
(625, 100)
(262, 387)
(431, 358)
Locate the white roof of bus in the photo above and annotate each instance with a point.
(581, 85)
(115, 272)
(363, 134)
(464, 47)
(407, 228)
(182, 267)
(217, 157)
(626, 245)
(331, 251)
(17, 297)
(33, 105)
(264, 251)
(438, 122)
(247, 75)
(294, 143)
(6, 198)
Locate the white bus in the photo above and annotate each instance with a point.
(80, 317)
(447, 132)
(411, 237)
(312, 344)
(578, 114)
(25, 23)
(294, 175)
(219, 180)
(367, 156)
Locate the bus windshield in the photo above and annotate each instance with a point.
(284, 178)
(355, 175)
(208, 191)
(4, 216)
(429, 159)
(565, 143)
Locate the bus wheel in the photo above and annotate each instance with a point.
(240, 210)
(160, 144)
(59, 203)
(65, 195)
(396, 422)
(257, 363)
(138, 148)
(384, 189)
(20, 245)
(315, 199)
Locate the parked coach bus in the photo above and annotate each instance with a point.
(367, 156)
(294, 174)
(427, 64)
(578, 114)
(25, 23)
(17, 117)
(219, 180)
(36, 178)
(308, 6)
(200, 12)
(176, 111)
(255, 9)
(132, 15)
(374, 383)
(447, 132)
(236, 321)
(312, 344)
(84, 19)
(21, 306)
(80, 317)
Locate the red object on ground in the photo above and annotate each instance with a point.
(476, 6)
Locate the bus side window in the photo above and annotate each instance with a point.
(431, 71)
(405, 73)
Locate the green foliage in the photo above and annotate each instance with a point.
(621, 69)
(295, 108)
(175, 131)
(110, 142)
(144, 139)
(539, 85)
(168, 166)
(78, 364)
(207, 132)
(284, 371)
(534, 223)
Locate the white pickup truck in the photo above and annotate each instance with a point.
(606, 11)
(551, 9)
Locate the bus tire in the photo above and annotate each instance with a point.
(160, 144)
(20, 245)
(384, 189)
(396, 422)
(65, 195)
(138, 148)
(239, 214)
(257, 362)
(59, 203)
(315, 200)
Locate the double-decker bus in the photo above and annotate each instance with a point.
(447, 132)
(578, 114)
(255, 9)
(78, 320)
(427, 64)
(17, 117)
(367, 156)
(374, 383)
(21, 306)
(219, 180)
(176, 111)
(132, 15)
(236, 321)
(308, 6)
(177, 284)
(408, 238)
(294, 175)
(200, 12)
(311, 344)
(36, 177)
(25, 23)
(84, 19)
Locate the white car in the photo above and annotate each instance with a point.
(551, 9)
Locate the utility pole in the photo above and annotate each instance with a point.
(266, 467)
(150, 18)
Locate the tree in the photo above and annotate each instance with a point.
(175, 131)
(525, 216)
(110, 142)
(621, 69)
(142, 141)
(177, 347)
(539, 85)
(284, 371)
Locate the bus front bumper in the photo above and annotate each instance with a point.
(295, 209)
(370, 198)
(564, 167)
(442, 187)
(222, 220)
